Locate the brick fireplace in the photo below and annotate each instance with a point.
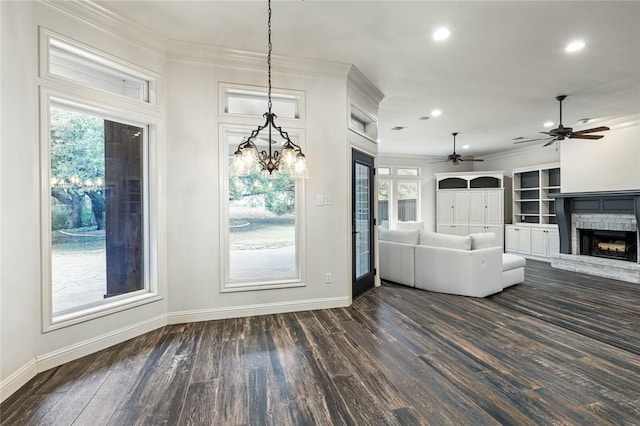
(599, 234)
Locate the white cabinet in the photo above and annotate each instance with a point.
(470, 202)
(460, 229)
(534, 241)
(544, 242)
(518, 239)
(533, 190)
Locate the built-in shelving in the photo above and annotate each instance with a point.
(532, 189)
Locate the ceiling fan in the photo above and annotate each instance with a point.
(456, 158)
(561, 132)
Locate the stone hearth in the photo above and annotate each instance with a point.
(610, 211)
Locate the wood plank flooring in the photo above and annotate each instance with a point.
(561, 348)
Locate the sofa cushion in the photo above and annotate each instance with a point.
(512, 261)
(483, 240)
(399, 236)
(434, 239)
(419, 225)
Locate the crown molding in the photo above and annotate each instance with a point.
(110, 22)
(363, 86)
(182, 51)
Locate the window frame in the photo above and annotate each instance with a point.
(395, 179)
(226, 285)
(102, 58)
(224, 88)
(149, 293)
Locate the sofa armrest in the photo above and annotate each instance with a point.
(476, 273)
(397, 262)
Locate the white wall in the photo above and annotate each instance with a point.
(194, 193)
(520, 157)
(609, 164)
(19, 220)
(427, 181)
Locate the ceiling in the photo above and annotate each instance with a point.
(495, 78)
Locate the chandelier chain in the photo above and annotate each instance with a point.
(269, 57)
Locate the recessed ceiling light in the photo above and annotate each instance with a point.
(465, 146)
(378, 140)
(436, 113)
(574, 46)
(584, 120)
(441, 33)
(398, 128)
(548, 124)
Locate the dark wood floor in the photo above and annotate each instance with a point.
(561, 348)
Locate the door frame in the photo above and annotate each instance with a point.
(367, 281)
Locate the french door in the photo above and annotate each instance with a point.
(362, 222)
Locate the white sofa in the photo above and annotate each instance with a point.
(469, 266)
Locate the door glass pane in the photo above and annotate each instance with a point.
(262, 222)
(96, 209)
(363, 217)
(407, 201)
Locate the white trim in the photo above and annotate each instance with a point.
(361, 85)
(18, 379)
(98, 343)
(150, 293)
(183, 51)
(225, 285)
(258, 309)
(111, 23)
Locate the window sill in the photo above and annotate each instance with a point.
(254, 286)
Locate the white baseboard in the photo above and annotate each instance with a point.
(53, 359)
(258, 309)
(98, 343)
(18, 379)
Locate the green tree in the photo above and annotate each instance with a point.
(77, 163)
(278, 192)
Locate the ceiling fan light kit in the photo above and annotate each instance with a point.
(561, 132)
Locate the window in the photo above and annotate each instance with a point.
(97, 232)
(384, 195)
(252, 102)
(401, 171)
(262, 223)
(384, 171)
(363, 123)
(83, 65)
(407, 201)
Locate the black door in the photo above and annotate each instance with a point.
(362, 222)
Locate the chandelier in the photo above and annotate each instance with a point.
(290, 159)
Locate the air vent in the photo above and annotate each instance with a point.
(398, 128)
(424, 118)
(519, 138)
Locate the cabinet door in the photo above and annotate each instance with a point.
(511, 239)
(539, 242)
(460, 206)
(498, 232)
(494, 212)
(445, 207)
(476, 207)
(445, 229)
(474, 229)
(524, 240)
(462, 230)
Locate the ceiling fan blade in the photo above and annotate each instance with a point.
(594, 137)
(550, 142)
(595, 129)
(471, 159)
(545, 133)
(440, 161)
(534, 140)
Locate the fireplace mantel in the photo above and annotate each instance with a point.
(609, 202)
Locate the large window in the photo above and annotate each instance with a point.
(262, 224)
(99, 229)
(98, 209)
(398, 194)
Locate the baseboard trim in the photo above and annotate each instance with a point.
(258, 309)
(18, 379)
(98, 343)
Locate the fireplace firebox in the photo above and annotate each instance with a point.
(618, 245)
